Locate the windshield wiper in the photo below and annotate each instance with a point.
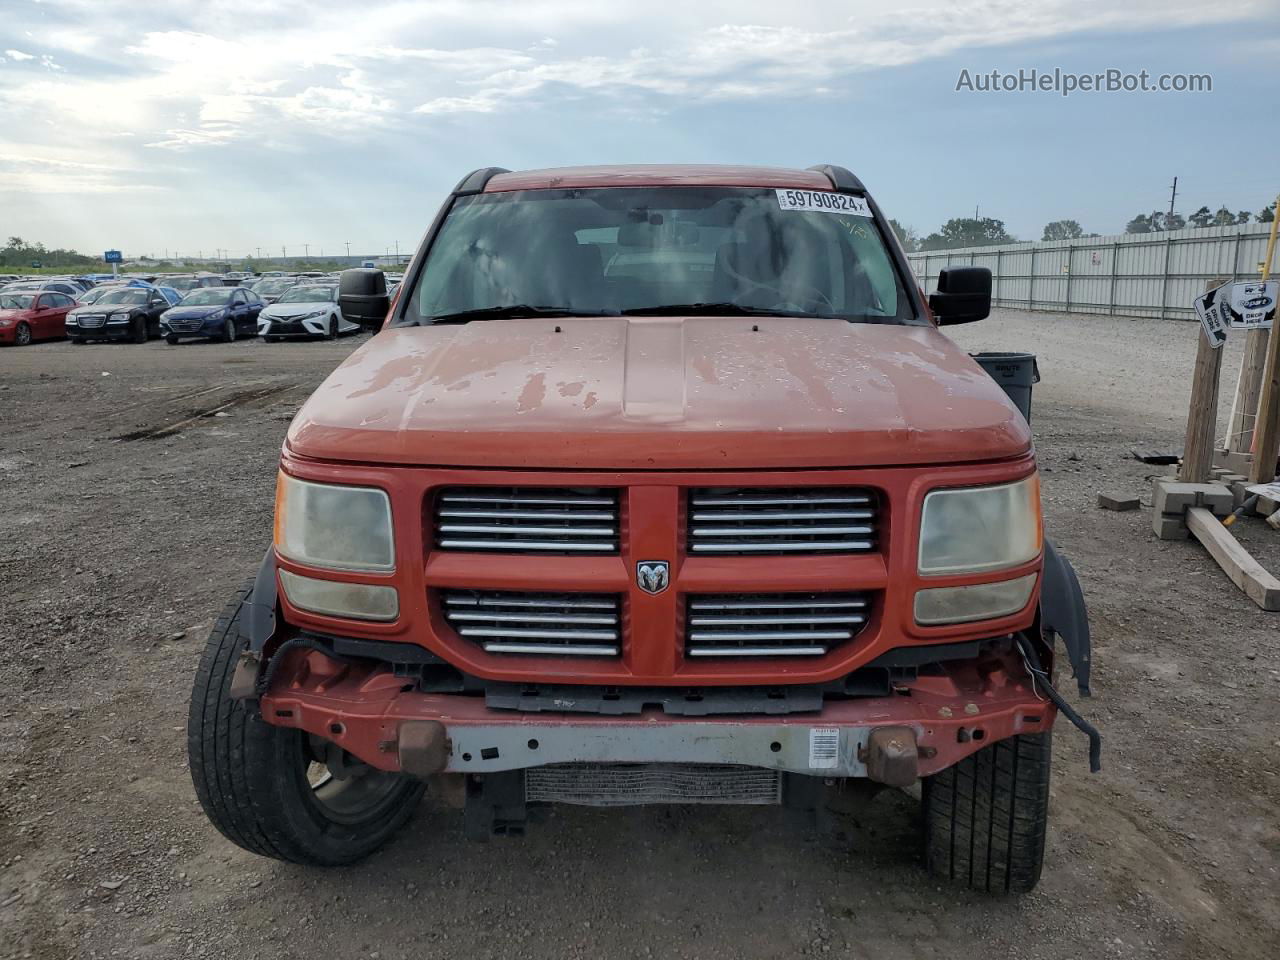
(508, 311)
(724, 309)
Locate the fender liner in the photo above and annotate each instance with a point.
(1063, 613)
(258, 621)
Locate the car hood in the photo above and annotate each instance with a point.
(284, 310)
(15, 314)
(191, 313)
(659, 393)
(105, 308)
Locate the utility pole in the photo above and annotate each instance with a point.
(306, 250)
(348, 243)
(397, 251)
(283, 255)
(257, 253)
(1173, 196)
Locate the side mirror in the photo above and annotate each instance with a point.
(963, 295)
(362, 295)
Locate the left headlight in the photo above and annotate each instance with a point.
(338, 528)
(980, 529)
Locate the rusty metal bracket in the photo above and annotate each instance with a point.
(423, 747)
(892, 756)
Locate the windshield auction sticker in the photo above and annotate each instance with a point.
(822, 201)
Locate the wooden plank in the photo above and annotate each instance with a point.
(1202, 418)
(1248, 391)
(1236, 562)
(1267, 433)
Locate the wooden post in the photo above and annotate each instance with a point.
(1202, 417)
(1266, 428)
(1248, 390)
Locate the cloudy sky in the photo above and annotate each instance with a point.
(250, 125)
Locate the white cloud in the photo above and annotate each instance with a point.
(18, 55)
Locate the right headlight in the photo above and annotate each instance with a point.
(980, 529)
(334, 527)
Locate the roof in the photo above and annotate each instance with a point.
(653, 175)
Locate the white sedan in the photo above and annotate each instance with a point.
(305, 311)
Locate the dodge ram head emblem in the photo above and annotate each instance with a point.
(653, 576)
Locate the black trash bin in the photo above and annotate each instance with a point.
(1015, 372)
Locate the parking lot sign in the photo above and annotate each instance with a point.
(113, 256)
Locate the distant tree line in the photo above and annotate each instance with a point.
(987, 231)
(18, 253)
(1158, 220)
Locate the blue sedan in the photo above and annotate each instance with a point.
(220, 313)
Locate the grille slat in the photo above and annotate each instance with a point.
(750, 625)
(755, 521)
(552, 624)
(527, 520)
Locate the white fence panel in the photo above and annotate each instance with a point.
(1131, 275)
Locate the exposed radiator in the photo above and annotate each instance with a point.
(631, 784)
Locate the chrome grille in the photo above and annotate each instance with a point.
(91, 321)
(772, 625)
(185, 326)
(532, 519)
(782, 520)
(561, 624)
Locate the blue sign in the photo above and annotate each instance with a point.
(113, 256)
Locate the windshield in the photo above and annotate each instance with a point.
(271, 287)
(207, 296)
(309, 295)
(92, 296)
(182, 283)
(130, 295)
(661, 250)
(16, 301)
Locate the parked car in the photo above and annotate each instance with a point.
(222, 313)
(68, 287)
(730, 522)
(25, 317)
(131, 313)
(305, 311)
(270, 289)
(185, 283)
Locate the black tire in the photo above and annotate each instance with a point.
(985, 818)
(228, 331)
(22, 336)
(78, 341)
(333, 328)
(171, 340)
(251, 777)
(267, 339)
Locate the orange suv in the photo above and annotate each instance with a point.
(657, 485)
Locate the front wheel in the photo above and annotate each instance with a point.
(267, 788)
(22, 336)
(986, 817)
(228, 330)
(333, 328)
(171, 340)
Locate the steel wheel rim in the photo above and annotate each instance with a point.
(358, 798)
(24, 335)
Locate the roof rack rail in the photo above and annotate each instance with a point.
(840, 177)
(474, 182)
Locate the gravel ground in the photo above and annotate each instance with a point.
(132, 511)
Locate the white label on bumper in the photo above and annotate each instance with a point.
(824, 748)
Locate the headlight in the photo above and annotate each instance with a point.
(978, 601)
(978, 529)
(340, 528)
(311, 316)
(361, 601)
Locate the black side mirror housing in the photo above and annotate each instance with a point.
(963, 295)
(362, 296)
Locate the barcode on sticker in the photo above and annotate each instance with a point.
(824, 748)
(823, 201)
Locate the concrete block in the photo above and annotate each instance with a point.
(1267, 506)
(1120, 503)
(1177, 498)
(1273, 521)
(1169, 526)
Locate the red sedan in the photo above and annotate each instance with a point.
(33, 315)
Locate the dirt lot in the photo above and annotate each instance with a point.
(132, 511)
